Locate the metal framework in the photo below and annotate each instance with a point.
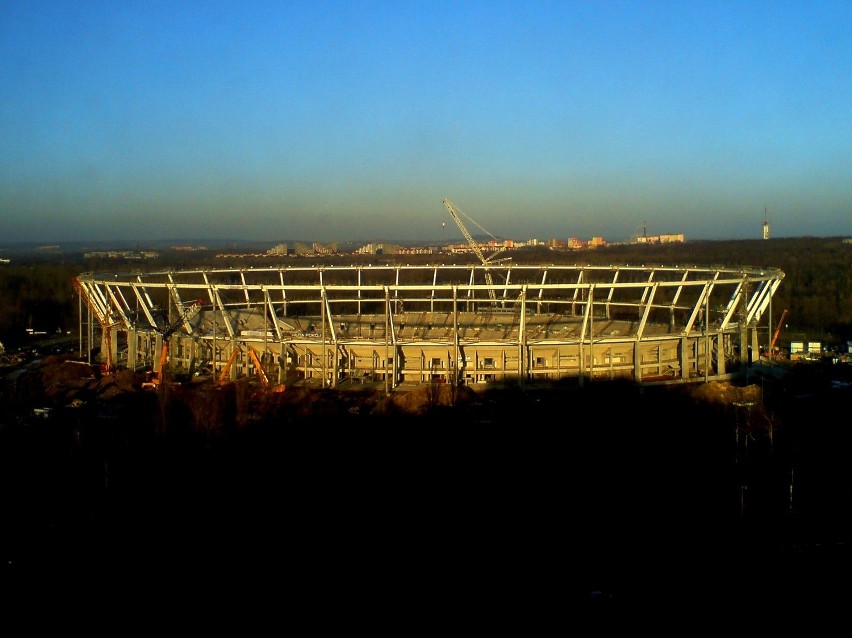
(438, 323)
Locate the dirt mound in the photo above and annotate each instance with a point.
(726, 393)
(420, 399)
(64, 371)
(66, 379)
(125, 380)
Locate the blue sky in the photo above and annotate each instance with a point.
(333, 120)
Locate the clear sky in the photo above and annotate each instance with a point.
(336, 120)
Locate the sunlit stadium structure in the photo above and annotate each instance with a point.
(414, 324)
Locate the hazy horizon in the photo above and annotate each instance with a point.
(335, 119)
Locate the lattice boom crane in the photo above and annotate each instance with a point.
(456, 214)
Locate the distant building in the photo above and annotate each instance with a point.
(278, 251)
(122, 254)
(302, 248)
(765, 225)
(324, 249)
(575, 243)
(415, 250)
(661, 239)
(369, 249)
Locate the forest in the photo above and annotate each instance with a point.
(36, 290)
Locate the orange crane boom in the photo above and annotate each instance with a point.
(257, 366)
(777, 332)
(188, 312)
(264, 379)
(226, 369)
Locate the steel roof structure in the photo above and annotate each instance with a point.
(573, 320)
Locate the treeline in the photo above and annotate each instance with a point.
(817, 284)
(38, 295)
(36, 291)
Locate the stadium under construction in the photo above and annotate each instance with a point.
(416, 324)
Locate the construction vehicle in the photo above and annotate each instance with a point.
(772, 352)
(267, 385)
(456, 214)
(252, 353)
(226, 369)
(188, 312)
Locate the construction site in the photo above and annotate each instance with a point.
(400, 325)
(391, 327)
(393, 397)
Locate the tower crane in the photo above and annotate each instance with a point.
(456, 214)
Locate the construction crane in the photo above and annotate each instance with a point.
(456, 214)
(263, 378)
(771, 351)
(188, 312)
(226, 369)
(252, 353)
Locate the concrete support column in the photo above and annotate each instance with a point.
(282, 363)
(109, 344)
(335, 373)
(755, 345)
(158, 348)
(637, 361)
(131, 349)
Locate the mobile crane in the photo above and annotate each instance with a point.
(225, 372)
(252, 353)
(267, 385)
(188, 312)
(771, 352)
